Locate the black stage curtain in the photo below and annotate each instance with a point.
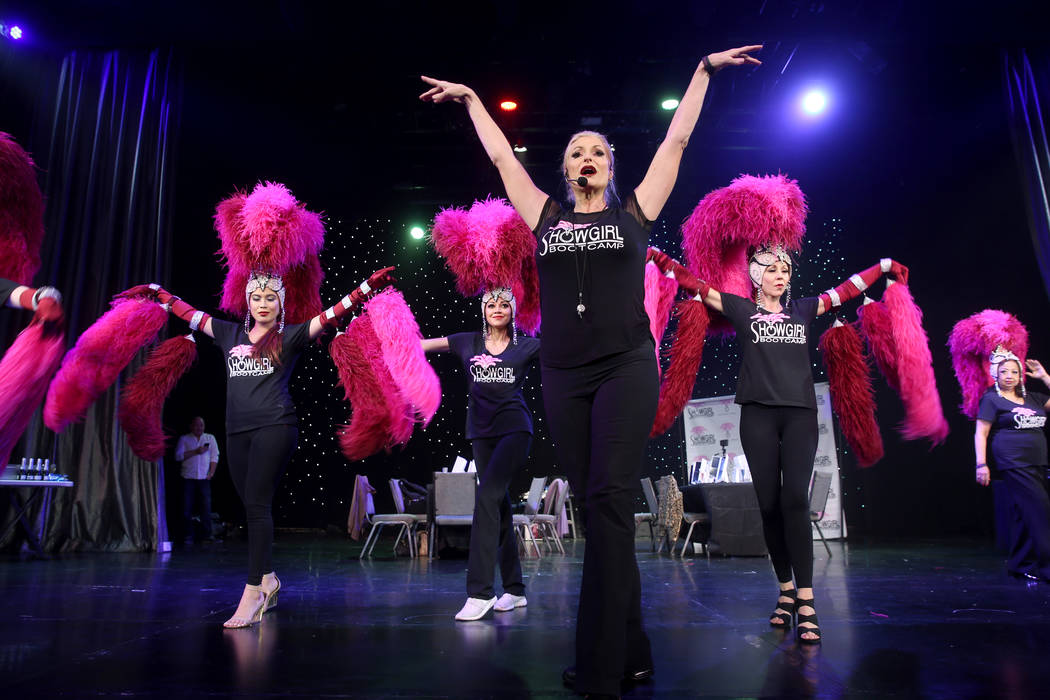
(103, 131)
(1027, 83)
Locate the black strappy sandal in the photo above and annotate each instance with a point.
(789, 610)
(800, 602)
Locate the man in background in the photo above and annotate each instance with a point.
(199, 454)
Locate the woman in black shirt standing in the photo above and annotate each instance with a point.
(600, 379)
(1011, 421)
(499, 427)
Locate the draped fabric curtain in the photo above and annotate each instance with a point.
(105, 141)
(1027, 84)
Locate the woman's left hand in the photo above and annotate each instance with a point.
(1036, 370)
(735, 57)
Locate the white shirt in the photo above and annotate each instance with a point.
(196, 466)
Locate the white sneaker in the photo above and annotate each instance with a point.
(509, 601)
(475, 608)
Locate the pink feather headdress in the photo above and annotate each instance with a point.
(490, 246)
(972, 341)
(750, 211)
(21, 213)
(271, 232)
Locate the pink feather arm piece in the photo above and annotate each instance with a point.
(399, 336)
(749, 211)
(100, 354)
(142, 400)
(851, 393)
(490, 246)
(660, 291)
(687, 351)
(878, 330)
(972, 340)
(923, 415)
(21, 213)
(25, 370)
(270, 230)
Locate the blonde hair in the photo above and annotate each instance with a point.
(610, 191)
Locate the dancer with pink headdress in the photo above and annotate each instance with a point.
(491, 251)
(988, 354)
(600, 376)
(270, 243)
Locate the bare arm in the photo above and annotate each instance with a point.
(434, 344)
(1035, 370)
(659, 180)
(528, 200)
(980, 448)
(13, 300)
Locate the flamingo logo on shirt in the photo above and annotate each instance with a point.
(771, 317)
(1025, 418)
(242, 364)
(769, 328)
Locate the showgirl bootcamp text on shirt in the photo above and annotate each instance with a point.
(562, 238)
(486, 368)
(242, 364)
(770, 328)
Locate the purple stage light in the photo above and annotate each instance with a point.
(814, 102)
(16, 32)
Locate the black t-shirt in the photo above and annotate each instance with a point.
(775, 369)
(1016, 438)
(496, 405)
(607, 250)
(6, 287)
(256, 391)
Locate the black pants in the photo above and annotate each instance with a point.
(780, 443)
(600, 415)
(196, 492)
(497, 459)
(258, 459)
(1029, 521)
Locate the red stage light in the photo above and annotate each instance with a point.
(508, 105)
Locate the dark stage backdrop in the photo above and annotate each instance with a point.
(102, 128)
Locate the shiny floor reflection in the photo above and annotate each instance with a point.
(924, 620)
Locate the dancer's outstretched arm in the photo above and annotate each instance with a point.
(528, 200)
(659, 180)
(434, 344)
(198, 320)
(698, 289)
(349, 304)
(1035, 370)
(856, 284)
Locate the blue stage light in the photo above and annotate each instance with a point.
(814, 102)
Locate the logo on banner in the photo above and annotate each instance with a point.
(770, 328)
(822, 429)
(242, 364)
(822, 461)
(699, 412)
(564, 238)
(487, 369)
(1025, 418)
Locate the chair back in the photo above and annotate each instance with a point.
(454, 493)
(399, 498)
(650, 494)
(532, 505)
(818, 494)
(558, 502)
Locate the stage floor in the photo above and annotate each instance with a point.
(930, 620)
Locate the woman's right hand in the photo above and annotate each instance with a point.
(984, 476)
(443, 91)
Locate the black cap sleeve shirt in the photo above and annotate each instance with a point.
(775, 367)
(606, 252)
(256, 391)
(1016, 438)
(496, 405)
(6, 287)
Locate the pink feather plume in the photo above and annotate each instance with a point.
(399, 337)
(750, 211)
(100, 354)
(687, 351)
(878, 330)
(142, 400)
(25, 370)
(923, 415)
(21, 213)
(271, 231)
(660, 291)
(490, 246)
(972, 340)
(851, 393)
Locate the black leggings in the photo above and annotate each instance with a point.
(780, 443)
(258, 459)
(600, 415)
(1030, 521)
(498, 459)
